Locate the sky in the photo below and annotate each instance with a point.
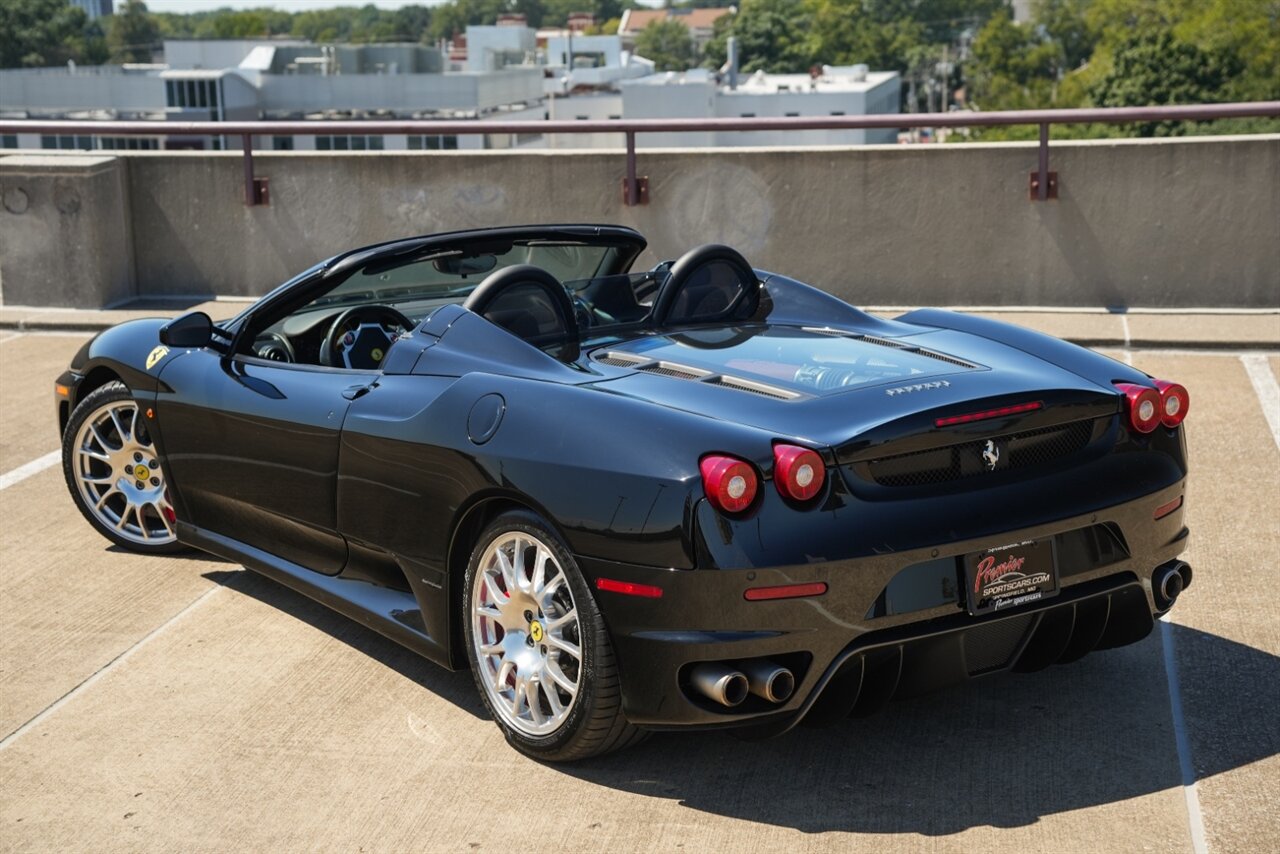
(287, 5)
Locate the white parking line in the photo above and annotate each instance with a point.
(26, 470)
(1195, 818)
(102, 671)
(1268, 391)
(1124, 324)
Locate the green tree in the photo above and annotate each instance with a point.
(668, 44)
(1065, 23)
(1155, 68)
(772, 36)
(133, 33)
(35, 33)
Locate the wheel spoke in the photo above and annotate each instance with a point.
(518, 701)
(124, 516)
(496, 594)
(120, 431)
(508, 572)
(564, 646)
(500, 678)
(491, 649)
(553, 700)
(160, 508)
(554, 626)
(101, 440)
(532, 693)
(539, 571)
(102, 499)
(92, 454)
(558, 676)
(544, 598)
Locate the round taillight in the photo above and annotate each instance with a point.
(797, 472)
(730, 483)
(1174, 403)
(1144, 405)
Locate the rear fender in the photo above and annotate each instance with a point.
(1080, 361)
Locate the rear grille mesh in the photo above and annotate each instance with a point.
(990, 646)
(664, 370)
(616, 361)
(1028, 449)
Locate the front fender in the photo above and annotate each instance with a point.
(132, 351)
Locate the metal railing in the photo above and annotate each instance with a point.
(1042, 182)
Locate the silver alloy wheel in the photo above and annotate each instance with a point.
(526, 634)
(119, 477)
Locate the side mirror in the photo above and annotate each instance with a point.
(193, 329)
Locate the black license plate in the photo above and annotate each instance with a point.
(1010, 575)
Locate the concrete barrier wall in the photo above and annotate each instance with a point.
(1192, 222)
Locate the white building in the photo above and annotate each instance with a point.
(249, 80)
(699, 94)
(507, 78)
(94, 8)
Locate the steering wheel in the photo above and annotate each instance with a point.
(360, 336)
(588, 315)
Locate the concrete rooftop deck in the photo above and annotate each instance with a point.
(160, 704)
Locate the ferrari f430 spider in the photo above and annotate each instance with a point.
(698, 495)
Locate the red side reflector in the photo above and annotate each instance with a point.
(988, 413)
(785, 591)
(648, 591)
(1165, 509)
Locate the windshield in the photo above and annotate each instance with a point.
(614, 300)
(450, 275)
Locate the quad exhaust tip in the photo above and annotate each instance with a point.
(1168, 582)
(721, 683)
(729, 686)
(769, 681)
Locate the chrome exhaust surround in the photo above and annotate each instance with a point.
(768, 680)
(720, 683)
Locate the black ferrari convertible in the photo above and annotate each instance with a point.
(699, 495)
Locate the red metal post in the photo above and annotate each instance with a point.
(633, 186)
(250, 191)
(1042, 178)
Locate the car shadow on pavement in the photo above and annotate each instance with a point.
(189, 554)
(1001, 751)
(458, 688)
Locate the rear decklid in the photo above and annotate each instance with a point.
(867, 397)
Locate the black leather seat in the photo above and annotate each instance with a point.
(531, 304)
(710, 283)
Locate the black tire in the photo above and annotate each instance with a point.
(145, 519)
(595, 723)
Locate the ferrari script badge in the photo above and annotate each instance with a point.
(991, 454)
(156, 355)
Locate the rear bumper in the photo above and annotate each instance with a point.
(849, 652)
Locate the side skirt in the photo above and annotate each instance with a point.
(394, 614)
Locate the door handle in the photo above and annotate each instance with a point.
(352, 392)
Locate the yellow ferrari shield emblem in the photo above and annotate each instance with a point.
(535, 631)
(141, 472)
(156, 355)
